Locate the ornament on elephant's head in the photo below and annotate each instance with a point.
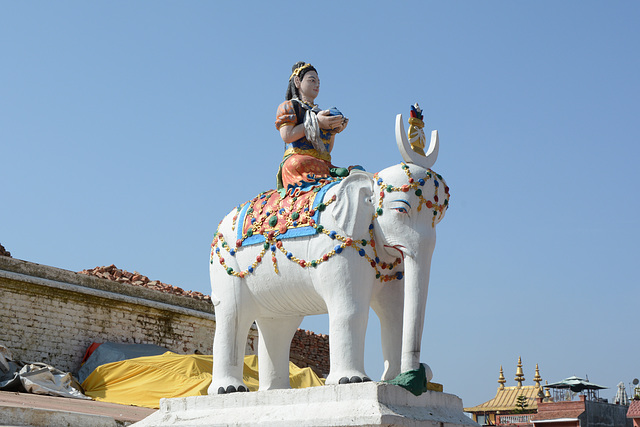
(416, 134)
(412, 148)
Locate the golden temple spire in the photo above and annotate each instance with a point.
(537, 378)
(547, 393)
(501, 379)
(519, 374)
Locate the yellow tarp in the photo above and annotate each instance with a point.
(143, 381)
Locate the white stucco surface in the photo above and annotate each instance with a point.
(365, 404)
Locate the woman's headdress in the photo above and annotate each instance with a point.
(298, 70)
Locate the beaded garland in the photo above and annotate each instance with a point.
(273, 243)
(438, 208)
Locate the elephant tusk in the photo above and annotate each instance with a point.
(410, 156)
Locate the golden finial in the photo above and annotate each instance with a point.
(537, 378)
(501, 379)
(416, 136)
(519, 374)
(547, 393)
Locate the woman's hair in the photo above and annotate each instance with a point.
(292, 90)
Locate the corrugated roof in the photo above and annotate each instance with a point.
(506, 399)
(634, 409)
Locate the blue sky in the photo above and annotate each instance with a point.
(129, 129)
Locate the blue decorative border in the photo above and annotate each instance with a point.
(290, 233)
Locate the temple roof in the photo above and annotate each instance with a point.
(506, 398)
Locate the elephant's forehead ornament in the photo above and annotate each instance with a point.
(304, 211)
(415, 185)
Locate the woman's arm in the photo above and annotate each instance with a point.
(291, 133)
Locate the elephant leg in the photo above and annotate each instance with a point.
(388, 303)
(348, 319)
(273, 350)
(234, 315)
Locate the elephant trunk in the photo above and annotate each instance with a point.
(416, 286)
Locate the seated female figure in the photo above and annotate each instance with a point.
(308, 133)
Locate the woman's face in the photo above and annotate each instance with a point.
(309, 86)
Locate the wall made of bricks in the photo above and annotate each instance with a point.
(312, 350)
(52, 316)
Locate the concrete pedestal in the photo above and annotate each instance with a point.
(365, 404)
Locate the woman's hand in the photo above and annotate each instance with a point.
(343, 125)
(326, 121)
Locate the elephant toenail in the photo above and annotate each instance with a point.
(343, 380)
(355, 379)
(366, 379)
(242, 388)
(231, 389)
(221, 390)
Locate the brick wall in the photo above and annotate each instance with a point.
(309, 349)
(52, 315)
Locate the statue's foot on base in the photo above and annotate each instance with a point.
(226, 386)
(414, 381)
(353, 380)
(232, 389)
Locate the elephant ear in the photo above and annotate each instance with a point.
(354, 208)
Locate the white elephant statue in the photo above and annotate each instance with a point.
(373, 240)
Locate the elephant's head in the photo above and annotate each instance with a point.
(405, 202)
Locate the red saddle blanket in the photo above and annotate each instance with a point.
(283, 217)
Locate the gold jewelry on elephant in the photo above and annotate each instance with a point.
(297, 71)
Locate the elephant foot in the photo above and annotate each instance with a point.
(354, 379)
(232, 389)
(227, 385)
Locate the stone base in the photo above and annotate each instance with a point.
(364, 404)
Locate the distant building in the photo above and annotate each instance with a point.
(531, 406)
(580, 413)
(511, 405)
(634, 413)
